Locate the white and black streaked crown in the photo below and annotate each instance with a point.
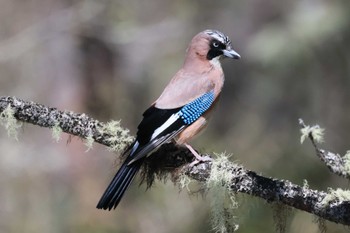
(218, 36)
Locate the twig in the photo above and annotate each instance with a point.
(333, 161)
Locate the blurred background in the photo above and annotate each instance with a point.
(111, 59)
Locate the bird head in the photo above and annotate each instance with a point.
(220, 45)
(212, 45)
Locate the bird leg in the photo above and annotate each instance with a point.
(197, 156)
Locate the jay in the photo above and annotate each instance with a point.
(181, 111)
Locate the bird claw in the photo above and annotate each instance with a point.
(199, 159)
(202, 159)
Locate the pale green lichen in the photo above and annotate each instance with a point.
(346, 159)
(280, 216)
(184, 182)
(321, 223)
(56, 132)
(10, 123)
(119, 137)
(223, 202)
(338, 195)
(316, 132)
(89, 141)
(305, 184)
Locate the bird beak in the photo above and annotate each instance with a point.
(231, 53)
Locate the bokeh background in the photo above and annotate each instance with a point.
(111, 59)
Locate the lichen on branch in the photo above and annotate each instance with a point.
(169, 155)
(8, 120)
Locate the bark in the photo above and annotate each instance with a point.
(244, 181)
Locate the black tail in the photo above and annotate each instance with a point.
(119, 185)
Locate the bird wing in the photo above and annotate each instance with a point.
(161, 125)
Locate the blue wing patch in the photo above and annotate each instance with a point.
(192, 111)
(161, 125)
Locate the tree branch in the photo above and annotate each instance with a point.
(245, 181)
(335, 163)
(72, 123)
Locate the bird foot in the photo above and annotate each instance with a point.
(199, 159)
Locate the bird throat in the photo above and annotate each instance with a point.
(216, 62)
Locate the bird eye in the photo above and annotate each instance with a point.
(216, 44)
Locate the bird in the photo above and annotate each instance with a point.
(181, 111)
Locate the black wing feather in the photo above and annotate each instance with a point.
(153, 118)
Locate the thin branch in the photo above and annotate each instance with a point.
(334, 162)
(244, 181)
(282, 191)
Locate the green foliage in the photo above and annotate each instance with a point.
(10, 123)
(120, 137)
(223, 202)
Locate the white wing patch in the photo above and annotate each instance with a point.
(166, 124)
(136, 145)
